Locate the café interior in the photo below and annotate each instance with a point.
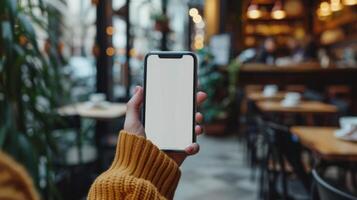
(280, 119)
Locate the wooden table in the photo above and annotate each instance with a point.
(304, 107)
(308, 74)
(322, 141)
(85, 110)
(259, 96)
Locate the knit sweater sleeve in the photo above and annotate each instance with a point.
(139, 171)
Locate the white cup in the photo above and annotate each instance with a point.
(291, 99)
(347, 122)
(97, 98)
(270, 90)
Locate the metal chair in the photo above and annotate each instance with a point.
(328, 192)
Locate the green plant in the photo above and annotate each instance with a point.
(221, 93)
(212, 82)
(30, 87)
(233, 70)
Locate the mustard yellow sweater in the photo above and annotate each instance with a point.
(139, 171)
(15, 183)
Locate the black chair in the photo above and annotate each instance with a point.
(280, 147)
(328, 192)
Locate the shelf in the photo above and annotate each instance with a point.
(335, 23)
(347, 40)
(268, 35)
(265, 20)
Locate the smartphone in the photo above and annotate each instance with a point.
(170, 99)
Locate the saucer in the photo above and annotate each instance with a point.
(343, 134)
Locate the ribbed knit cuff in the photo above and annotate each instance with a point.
(140, 158)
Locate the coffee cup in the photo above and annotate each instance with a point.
(291, 99)
(270, 90)
(348, 121)
(97, 98)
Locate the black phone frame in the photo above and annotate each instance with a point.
(174, 55)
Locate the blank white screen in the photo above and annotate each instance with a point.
(169, 101)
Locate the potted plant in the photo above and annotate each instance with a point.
(212, 82)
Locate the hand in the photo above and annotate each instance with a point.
(133, 124)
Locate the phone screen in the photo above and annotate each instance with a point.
(170, 100)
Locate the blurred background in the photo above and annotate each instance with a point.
(281, 79)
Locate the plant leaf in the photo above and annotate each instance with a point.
(12, 4)
(26, 24)
(28, 155)
(6, 33)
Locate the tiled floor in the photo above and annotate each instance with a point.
(218, 172)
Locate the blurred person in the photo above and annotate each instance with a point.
(296, 52)
(140, 170)
(309, 47)
(300, 51)
(267, 53)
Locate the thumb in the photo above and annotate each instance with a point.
(134, 104)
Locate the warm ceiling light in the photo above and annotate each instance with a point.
(253, 12)
(278, 14)
(324, 9)
(110, 51)
(109, 30)
(336, 5)
(197, 19)
(193, 12)
(349, 2)
(277, 11)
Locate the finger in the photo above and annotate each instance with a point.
(198, 130)
(200, 97)
(192, 149)
(136, 100)
(134, 104)
(199, 117)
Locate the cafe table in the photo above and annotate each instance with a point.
(304, 107)
(328, 149)
(106, 112)
(86, 110)
(322, 141)
(273, 112)
(259, 96)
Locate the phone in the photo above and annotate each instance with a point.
(170, 80)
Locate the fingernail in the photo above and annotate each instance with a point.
(136, 89)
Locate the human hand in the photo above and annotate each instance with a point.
(133, 124)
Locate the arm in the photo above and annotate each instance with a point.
(140, 170)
